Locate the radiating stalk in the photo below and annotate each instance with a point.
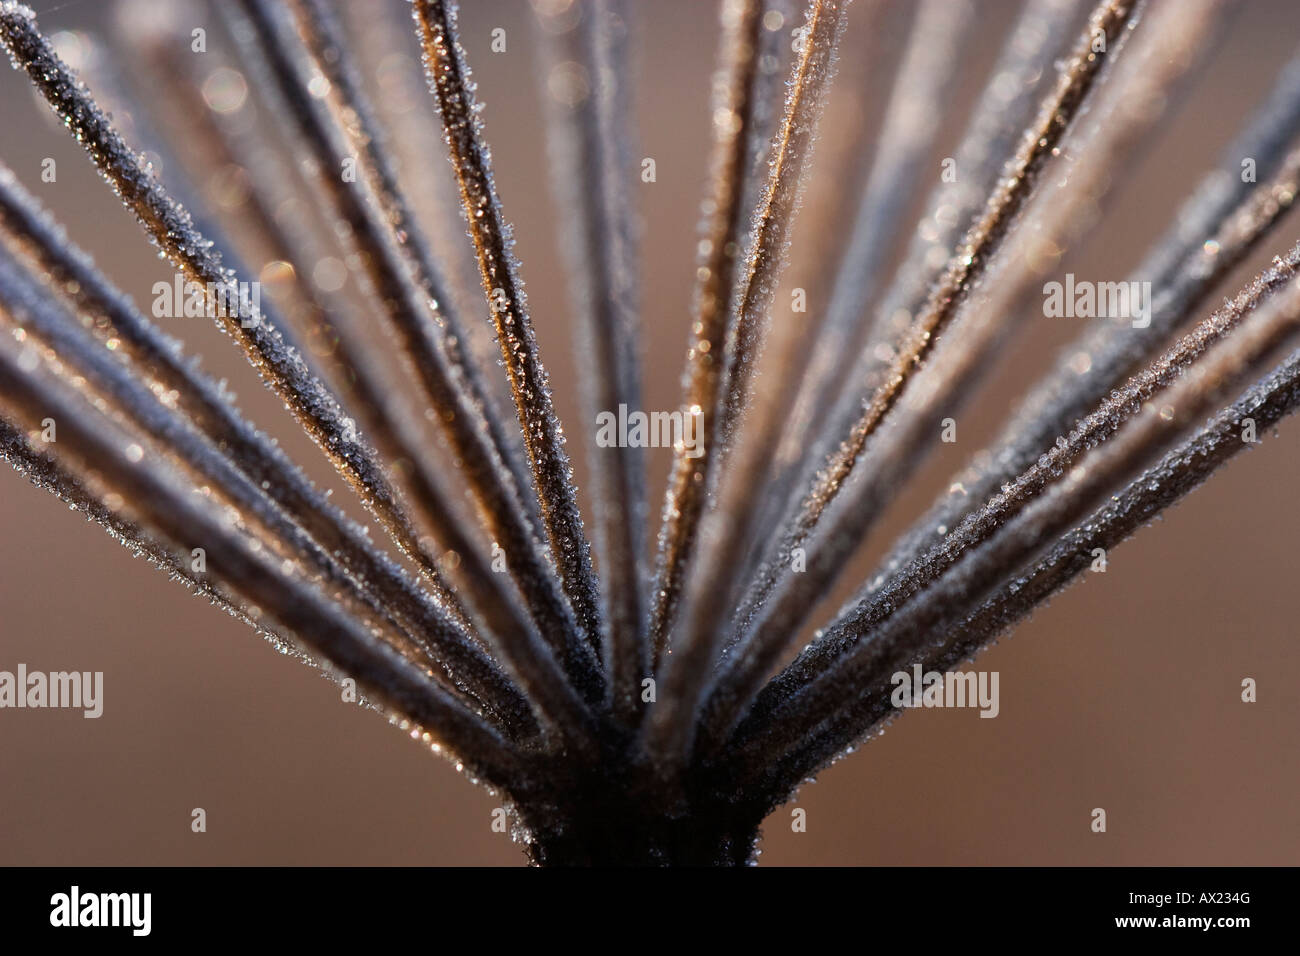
(670, 729)
(412, 315)
(283, 368)
(384, 415)
(1004, 109)
(732, 106)
(783, 593)
(116, 322)
(588, 78)
(1268, 308)
(769, 238)
(1216, 228)
(91, 442)
(912, 117)
(449, 81)
(957, 617)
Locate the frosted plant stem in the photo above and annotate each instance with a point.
(773, 50)
(906, 136)
(769, 237)
(170, 227)
(829, 715)
(1217, 227)
(354, 118)
(1026, 67)
(902, 145)
(283, 368)
(815, 258)
(669, 732)
(385, 417)
(739, 474)
(114, 319)
(732, 107)
(761, 633)
(31, 317)
(452, 88)
(1004, 109)
(1076, 80)
(169, 505)
(43, 471)
(590, 144)
(855, 630)
(765, 630)
(457, 410)
(389, 51)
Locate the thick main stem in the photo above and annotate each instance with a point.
(604, 828)
(619, 810)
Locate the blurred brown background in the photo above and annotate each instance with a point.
(1123, 694)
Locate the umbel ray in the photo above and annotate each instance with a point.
(639, 699)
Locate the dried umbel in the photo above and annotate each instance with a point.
(628, 713)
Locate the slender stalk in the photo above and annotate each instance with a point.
(774, 217)
(92, 442)
(1005, 108)
(1221, 223)
(982, 591)
(413, 317)
(449, 81)
(590, 148)
(906, 135)
(855, 634)
(685, 674)
(282, 367)
(119, 326)
(773, 51)
(1056, 115)
(903, 142)
(732, 107)
(385, 417)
